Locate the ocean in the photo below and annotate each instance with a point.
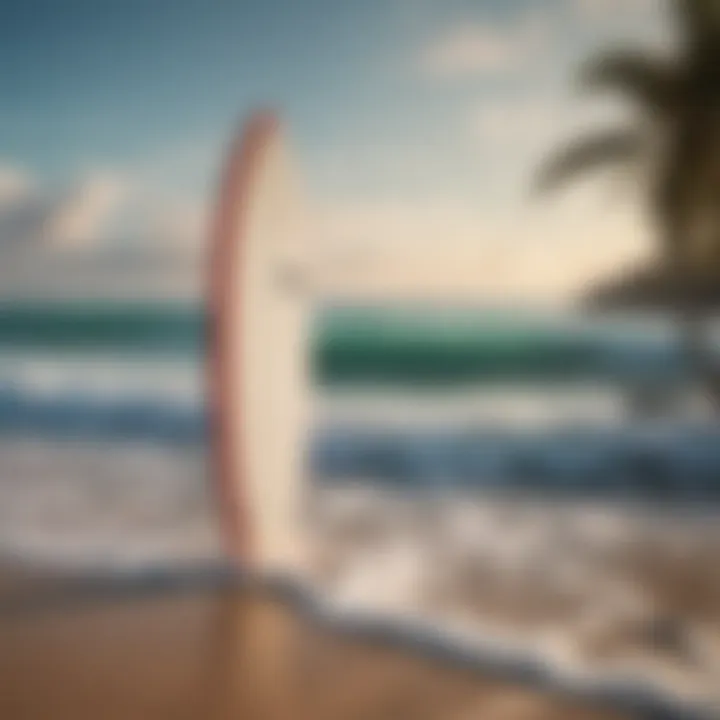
(108, 401)
(540, 481)
(399, 394)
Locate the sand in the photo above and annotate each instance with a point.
(231, 654)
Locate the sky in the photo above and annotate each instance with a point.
(417, 125)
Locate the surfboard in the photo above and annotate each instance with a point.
(257, 365)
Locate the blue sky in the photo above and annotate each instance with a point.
(123, 107)
(119, 81)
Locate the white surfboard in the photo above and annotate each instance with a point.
(258, 349)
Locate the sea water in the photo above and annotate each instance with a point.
(508, 484)
(464, 398)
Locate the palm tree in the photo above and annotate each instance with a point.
(677, 138)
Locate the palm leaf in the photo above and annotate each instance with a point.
(700, 20)
(652, 82)
(609, 148)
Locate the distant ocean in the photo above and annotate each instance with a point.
(374, 344)
(507, 398)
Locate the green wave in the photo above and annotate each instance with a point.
(348, 346)
(131, 327)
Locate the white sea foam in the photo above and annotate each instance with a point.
(589, 587)
(109, 377)
(103, 504)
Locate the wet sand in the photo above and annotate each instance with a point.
(228, 654)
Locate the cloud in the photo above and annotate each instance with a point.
(481, 48)
(102, 235)
(594, 9)
(625, 21)
(23, 209)
(515, 120)
(84, 215)
(32, 215)
(103, 207)
(404, 248)
(16, 184)
(546, 253)
(179, 223)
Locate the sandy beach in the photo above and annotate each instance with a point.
(228, 654)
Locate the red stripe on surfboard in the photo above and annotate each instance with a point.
(226, 268)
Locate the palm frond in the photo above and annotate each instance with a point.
(651, 81)
(608, 148)
(700, 21)
(654, 287)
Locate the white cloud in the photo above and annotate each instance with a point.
(408, 225)
(102, 207)
(625, 21)
(32, 215)
(84, 216)
(472, 50)
(182, 224)
(394, 247)
(546, 252)
(402, 249)
(125, 240)
(514, 120)
(594, 9)
(15, 185)
(477, 48)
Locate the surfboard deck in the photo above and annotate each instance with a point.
(257, 350)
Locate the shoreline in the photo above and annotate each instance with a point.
(32, 637)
